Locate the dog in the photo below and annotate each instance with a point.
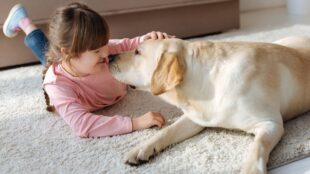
(248, 86)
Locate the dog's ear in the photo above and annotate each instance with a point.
(168, 73)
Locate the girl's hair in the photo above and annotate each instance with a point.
(76, 28)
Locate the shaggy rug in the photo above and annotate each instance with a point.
(35, 141)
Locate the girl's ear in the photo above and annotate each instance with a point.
(64, 51)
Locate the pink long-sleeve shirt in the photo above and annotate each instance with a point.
(74, 98)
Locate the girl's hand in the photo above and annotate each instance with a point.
(155, 35)
(148, 120)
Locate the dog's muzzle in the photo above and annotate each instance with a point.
(113, 66)
(112, 57)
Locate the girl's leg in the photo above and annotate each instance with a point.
(37, 42)
(35, 39)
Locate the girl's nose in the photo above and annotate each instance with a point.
(103, 54)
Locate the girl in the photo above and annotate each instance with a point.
(77, 80)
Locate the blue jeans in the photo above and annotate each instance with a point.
(37, 42)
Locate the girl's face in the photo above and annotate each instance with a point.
(90, 62)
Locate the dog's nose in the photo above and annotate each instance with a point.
(112, 57)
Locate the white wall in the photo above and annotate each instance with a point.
(247, 5)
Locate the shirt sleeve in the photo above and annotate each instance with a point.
(117, 46)
(82, 122)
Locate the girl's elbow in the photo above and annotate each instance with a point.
(82, 133)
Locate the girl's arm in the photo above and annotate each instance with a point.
(86, 124)
(82, 122)
(117, 46)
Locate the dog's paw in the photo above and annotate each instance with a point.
(254, 168)
(140, 154)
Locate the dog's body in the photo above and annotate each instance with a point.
(252, 87)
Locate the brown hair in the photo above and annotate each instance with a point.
(76, 28)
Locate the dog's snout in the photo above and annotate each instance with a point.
(112, 57)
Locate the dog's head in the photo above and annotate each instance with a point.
(156, 66)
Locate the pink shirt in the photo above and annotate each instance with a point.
(75, 97)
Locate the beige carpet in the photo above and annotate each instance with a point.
(35, 141)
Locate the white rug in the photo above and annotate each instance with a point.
(35, 141)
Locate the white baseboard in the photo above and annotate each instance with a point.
(248, 5)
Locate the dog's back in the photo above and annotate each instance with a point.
(283, 68)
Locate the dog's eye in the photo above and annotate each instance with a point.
(137, 52)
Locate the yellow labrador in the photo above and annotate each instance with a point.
(252, 87)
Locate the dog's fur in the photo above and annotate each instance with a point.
(252, 87)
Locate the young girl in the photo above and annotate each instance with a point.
(77, 80)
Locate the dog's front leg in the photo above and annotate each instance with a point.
(267, 135)
(180, 130)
